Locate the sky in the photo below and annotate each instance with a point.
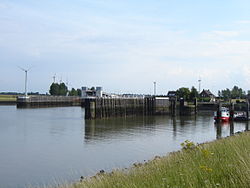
(125, 45)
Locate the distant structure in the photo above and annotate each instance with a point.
(199, 84)
(154, 88)
(26, 73)
(54, 78)
(92, 92)
(172, 95)
(208, 94)
(97, 92)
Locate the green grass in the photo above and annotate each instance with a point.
(7, 98)
(222, 163)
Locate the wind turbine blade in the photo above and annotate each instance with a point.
(21, 68)
(30, 68)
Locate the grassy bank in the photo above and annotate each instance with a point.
(8, 98)
(222, 163)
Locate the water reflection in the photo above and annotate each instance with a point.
(118, 128)
(113, 128)
(230, 128)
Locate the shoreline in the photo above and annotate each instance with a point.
(110, 179)
(8, 102)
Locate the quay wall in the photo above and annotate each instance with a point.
(47, 101)
(96, 108)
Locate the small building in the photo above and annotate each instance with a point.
(92, 93)
(172, 95)
(96, 92)
(207, 94)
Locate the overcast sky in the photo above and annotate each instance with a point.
(125, 45)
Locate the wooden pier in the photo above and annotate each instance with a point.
(47, 101)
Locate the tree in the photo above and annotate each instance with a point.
(58, 89)
(79, 92)
(184, 93)
(73, 92)
(237, 92)
(226, 94)
(193, 94)
(54, 89)
(219, 94)
(63, 89)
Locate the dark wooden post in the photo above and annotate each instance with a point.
(231, 128)
(247, 110)
(195, 105)
(218, 130)
(231, 111)
(154, 105)
(218, 111)
(92, 109)
(173, 106)
(182, 103)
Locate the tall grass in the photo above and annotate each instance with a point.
(222, 163)
(6, 98)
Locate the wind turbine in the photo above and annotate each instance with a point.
(26, 77)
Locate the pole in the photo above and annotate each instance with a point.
(26, 82)
(154, 88)
(199, 85)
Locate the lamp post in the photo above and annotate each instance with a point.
(154, 88)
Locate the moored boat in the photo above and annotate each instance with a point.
(224, 114)
(240, 116)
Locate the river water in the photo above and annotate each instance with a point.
(47, 146)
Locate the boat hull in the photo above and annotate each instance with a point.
(224, 119)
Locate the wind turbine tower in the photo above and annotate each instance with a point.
(26, 79)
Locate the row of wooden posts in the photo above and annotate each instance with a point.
(104, 108)
(108, 107)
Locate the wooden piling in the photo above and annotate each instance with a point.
(231, 111)
(247, 110)
(218, 111)
(231, 128)
(195, 105)
(110, 107)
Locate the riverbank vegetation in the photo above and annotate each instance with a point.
(222, 163)
(8, 98)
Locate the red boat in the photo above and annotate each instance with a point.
(225, 115)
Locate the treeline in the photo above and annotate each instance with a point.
(18, 93)
(234, 93)
(226, 94)
(187, 94)
(62, 90)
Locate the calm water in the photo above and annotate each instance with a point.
(53, 145)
